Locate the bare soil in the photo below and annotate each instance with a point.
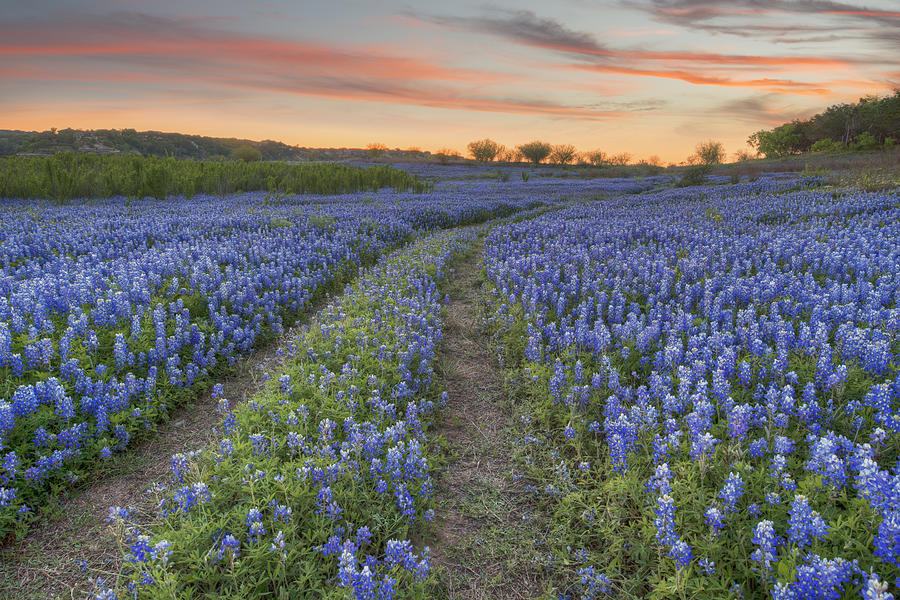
(479, 531)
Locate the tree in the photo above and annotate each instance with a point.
(246, 153)
(508, 155)
(620, 160)
(563, 154)
(597, 158)
(535, 151)
(743, 156)
(708, 153)
(485, 150)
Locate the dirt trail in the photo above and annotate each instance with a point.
(479, 524)
(60, 554)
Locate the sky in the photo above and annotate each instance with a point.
(646, 77)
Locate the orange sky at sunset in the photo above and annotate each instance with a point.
(648, 77)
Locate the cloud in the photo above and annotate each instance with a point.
(785, 86)
(142, 49)
(769, 109)
(824, 20)
(526, 28)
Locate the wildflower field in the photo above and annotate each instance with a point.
(709, 390)
(702, 382)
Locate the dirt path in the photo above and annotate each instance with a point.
(478, 550)
(60, 554)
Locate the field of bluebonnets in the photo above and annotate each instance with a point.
(705, 380)
(710, 390)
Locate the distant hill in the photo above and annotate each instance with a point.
(179, 145)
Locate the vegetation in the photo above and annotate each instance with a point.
(246, 153)
(485, 150)
(563, 154)
(129, 141)
(869, 124)
(596, 158)
(376, 149)
(708, 153)
(706, 156)
(70, 175)
(535, 151)
(446, 155)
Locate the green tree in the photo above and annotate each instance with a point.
(535, 151)
(246, 153)
(485, 150)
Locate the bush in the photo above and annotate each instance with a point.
(826, 146)
(246, 154)
(865, 141)
(695, 175)
(535, 151)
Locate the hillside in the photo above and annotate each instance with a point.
(178, 145)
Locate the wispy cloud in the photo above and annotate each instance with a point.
(173, 51)
(529, 29)
(824, 20)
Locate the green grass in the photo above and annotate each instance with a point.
(69, 175)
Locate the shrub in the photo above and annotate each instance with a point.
(246, 154)
(694, 175)
(826, 146)
(865, 141)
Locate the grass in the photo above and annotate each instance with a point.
(67, 176)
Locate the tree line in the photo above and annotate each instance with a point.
(487, 150)
(869, 124)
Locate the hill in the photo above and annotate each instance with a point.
(178, 145)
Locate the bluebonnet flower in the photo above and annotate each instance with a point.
(715, 517)
(804, 525)
(767, 545)
(593, 584)
(708, 566)
(681, 552)
(732, 491)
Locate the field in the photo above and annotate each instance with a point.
(512, 386)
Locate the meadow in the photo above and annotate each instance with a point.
(701, 384)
